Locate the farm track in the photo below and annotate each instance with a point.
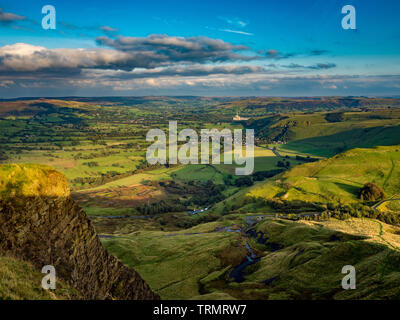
(389, 175)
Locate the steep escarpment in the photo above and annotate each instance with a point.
(41, 224)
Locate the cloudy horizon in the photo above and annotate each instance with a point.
(190, 50)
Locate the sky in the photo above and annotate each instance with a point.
(203, 48)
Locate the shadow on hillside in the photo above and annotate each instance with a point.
(348, 188)
(331, 145)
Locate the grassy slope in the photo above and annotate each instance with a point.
(337, 179)
(314, 134)
(190, 264)
(174, 263)
(309, 264)
(329, 145)
(20, 281)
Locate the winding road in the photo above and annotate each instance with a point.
(276, 153)
(382, 202)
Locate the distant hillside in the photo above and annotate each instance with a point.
(327, 134)
(262, 105)
(337, 179)
(42, 107)
(42, 225)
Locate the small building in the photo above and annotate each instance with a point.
(239, 118)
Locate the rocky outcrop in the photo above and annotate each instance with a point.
(51, 229)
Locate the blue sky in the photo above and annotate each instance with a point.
(264, 48)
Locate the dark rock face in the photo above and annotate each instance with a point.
(55, 231)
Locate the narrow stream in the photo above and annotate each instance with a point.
(237, 274)
(122, 217)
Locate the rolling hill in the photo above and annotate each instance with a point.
(329, 133)
(337, 179)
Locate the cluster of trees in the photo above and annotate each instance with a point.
(334, 117)
(207, 194)
(91, 164)
(203, 194)
(145, 166)
(288, 207)
(283, 164)
(3, 156)
(190, 222)
(305, 159)
(160, 207)
(261, 175)
(371, 192)
(358, 210)
(247, 181)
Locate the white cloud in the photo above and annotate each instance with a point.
(124, 53)
(235, 21)
(21, 57)
(237, 31)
